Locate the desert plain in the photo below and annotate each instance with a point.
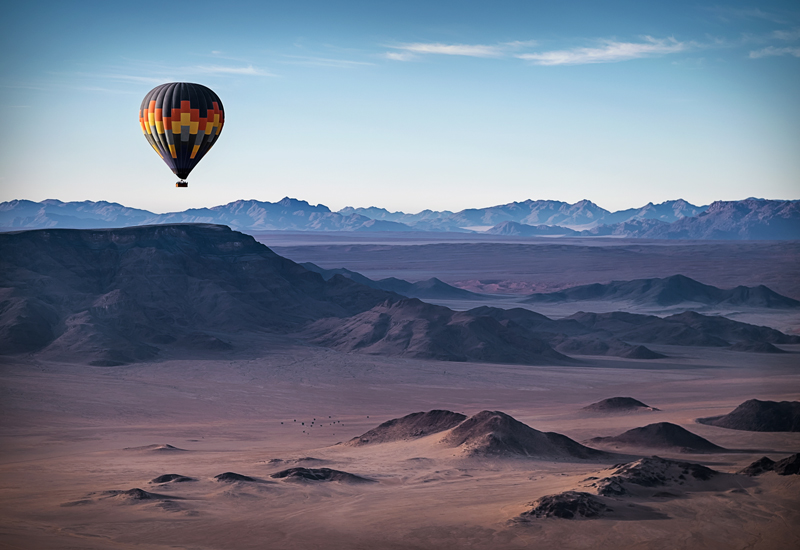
(76, 439)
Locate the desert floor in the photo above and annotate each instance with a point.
(70, 433)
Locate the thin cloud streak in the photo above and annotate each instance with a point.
(324, 61)
(726, 14)
(610, 52)
(789, 36)
(400, 56)
(772, 51)
(468, 50)
(218, 69)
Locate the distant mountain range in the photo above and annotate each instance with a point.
(746, 219)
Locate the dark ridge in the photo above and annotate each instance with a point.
(411, 328)
(763, 464)
(156, 448)
(320, 474)
(650, 472)
(756, 347)
(662, 435)
(138, 494)
(525, 230)
(785, 467)
(171, 478)
(613, 347)
(669, 291)
(432, 288)
(788, 466)
(760, 416)
(567, 505)
(411, 426)
(684, 329)
(494, 433)
(231, 477)
(618, 404)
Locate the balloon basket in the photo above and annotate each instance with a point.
(182, 183)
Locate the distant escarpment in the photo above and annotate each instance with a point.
(622, 334)
(760, 416)
(411, 426)
(661, 435)
(432, 288)
(669, 291)
(113, 296)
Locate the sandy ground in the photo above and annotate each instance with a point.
(69, 433)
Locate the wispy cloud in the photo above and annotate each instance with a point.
(400, 56)
(324, 61)
(727, 13)
(788, 36)
(609, 52)
(773, 51)
(128, 78)
(220, 69)
(469, 50)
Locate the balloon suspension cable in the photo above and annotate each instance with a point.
(182, 183)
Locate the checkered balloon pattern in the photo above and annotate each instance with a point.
(182, 121)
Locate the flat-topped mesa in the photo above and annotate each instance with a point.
(494, 433)
(759, 416)
(662, 435)
(618, 404)
(412, 426)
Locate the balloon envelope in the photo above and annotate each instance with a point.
(181, 121)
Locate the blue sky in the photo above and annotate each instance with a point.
(409, 105)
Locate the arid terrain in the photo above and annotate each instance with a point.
(232, 394)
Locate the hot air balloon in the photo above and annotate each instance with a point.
(181, 121)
